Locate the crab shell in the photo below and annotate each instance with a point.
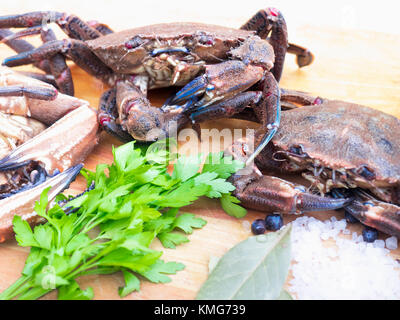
(126, 51)
(339, 144)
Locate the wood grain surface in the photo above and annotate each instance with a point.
(353, 65)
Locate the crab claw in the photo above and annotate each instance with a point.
(65, 144)
(382, 216)
(270, 194)
(220, 81)
(192, 90)
(22, 204)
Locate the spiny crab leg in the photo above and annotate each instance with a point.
(22, 204)
(64, 144)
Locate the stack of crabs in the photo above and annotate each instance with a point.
(346, 151)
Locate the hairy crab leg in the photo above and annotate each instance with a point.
(57, 65)
(22, 204)
(268, 111)
(304, 57)
(22, 46)
(271, 21)
(73, 26)
(100, 27)
(76, 50)
(299, 97)
(369, 211)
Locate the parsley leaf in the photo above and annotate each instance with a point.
(228, 203)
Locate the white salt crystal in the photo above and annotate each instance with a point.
(346, 231)
(333, 219)
(342, 271)
(391, 243)
(359, 239)
(340, 225)
(325, 236)
(379, 244)
(246, 226)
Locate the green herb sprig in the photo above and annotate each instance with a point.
(134, 201)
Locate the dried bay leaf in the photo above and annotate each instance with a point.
(255, 269)
(285, 296)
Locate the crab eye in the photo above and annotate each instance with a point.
(365, 172)
(134, 42)
(205, 39)
(296, 150)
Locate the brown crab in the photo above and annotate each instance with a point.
(174, 54)
(349, 151)
(32, 156)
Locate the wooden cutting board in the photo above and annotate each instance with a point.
(356, 66)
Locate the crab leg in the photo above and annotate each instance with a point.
(299, 97)
(22, 204)
(380, 215)
(304, 57)
(268, 21)
(75, 49)
(34, 92)
(58, 67)
(267, 193)
(22, 46)
(55, 65)
(100, 27)
(73, 26)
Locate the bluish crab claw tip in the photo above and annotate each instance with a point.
(10, 163)
(191, 90)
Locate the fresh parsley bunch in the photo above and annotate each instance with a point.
(110, 228)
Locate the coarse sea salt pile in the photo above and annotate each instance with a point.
(353, 269)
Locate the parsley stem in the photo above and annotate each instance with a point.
(16, 288)
(34, 293)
